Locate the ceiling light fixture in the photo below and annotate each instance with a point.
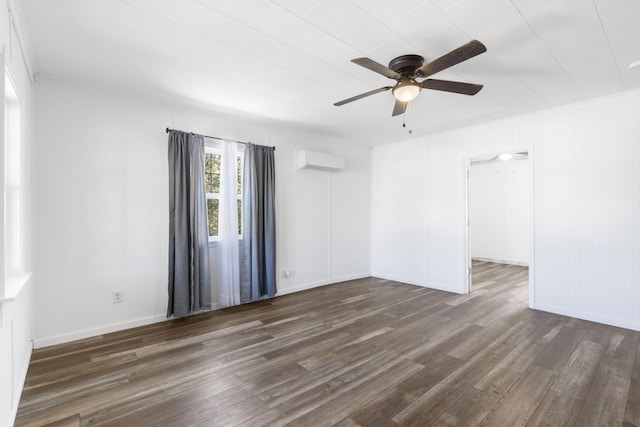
(406, 90)
(506, 156)
(634, 64)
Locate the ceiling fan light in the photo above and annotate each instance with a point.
(406, 91)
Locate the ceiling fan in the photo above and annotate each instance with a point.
(406, 69)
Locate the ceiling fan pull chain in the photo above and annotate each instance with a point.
(404, 125)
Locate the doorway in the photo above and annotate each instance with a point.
(499, 212)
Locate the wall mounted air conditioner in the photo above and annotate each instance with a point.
(319, 161)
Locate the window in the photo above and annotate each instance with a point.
(212, 165)
(239, 165)
(11, 265)
(13, 197)
(212, 176)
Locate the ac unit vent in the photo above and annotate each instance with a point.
(319, 161)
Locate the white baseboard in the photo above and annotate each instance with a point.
(501, 261)
(312, 285)
(92, 332)
(18, 393)
(438, 287)
(114, 327)
(620, 323)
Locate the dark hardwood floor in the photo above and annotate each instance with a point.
(368, 352)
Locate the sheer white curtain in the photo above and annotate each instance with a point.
(226, 278)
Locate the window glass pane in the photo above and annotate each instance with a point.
(239, 217)
(212, 214)
(12, 183)
(212, 163)
(239, 164)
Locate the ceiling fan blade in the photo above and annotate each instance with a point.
(456, 56)
(455, 87)
(399, 108)
(378, 68)
(362, 95)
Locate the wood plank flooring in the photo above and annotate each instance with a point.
(368, 352)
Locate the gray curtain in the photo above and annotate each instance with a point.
(258, 247)
(189, 276)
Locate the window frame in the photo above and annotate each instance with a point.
(13, 271)
(213, 146)
(209, 149)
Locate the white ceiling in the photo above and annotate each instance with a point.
(289, 60)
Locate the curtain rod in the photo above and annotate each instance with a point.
(213, 137)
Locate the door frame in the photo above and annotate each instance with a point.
(468, 262)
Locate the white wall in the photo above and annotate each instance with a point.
(16, 333)
(102, 222)
(16, 315)
(499, 211)
(418, 206)
(586, 168)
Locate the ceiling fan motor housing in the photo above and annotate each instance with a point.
(406, 65)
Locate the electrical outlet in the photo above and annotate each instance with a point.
(117, 297)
